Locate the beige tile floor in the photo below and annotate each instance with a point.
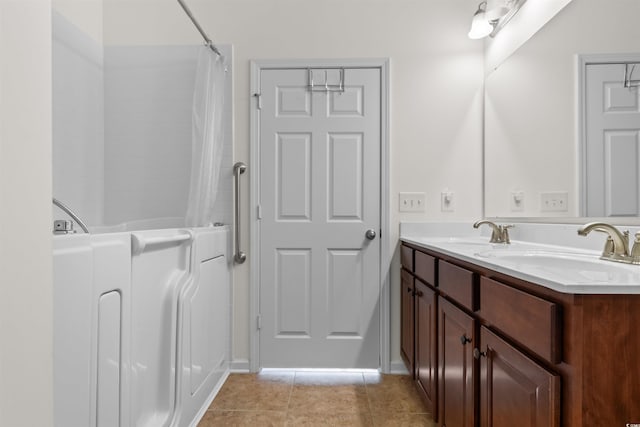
(301, 398)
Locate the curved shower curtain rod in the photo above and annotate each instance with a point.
(206, 38)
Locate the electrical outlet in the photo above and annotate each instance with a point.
(557, 201)
(447, 201)
(412, 202)
(516, 201)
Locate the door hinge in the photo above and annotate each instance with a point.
(258, 100)
(259, 321)
(259, 211)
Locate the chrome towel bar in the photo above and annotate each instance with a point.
(238, 169)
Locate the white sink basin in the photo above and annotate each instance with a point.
(565, 266)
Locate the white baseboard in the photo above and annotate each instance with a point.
(397, 367)
(240, 365)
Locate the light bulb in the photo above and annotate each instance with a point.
(480, 25)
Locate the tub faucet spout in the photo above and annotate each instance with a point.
(64, 227)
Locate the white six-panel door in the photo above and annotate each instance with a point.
(319, 195)
(612, 148)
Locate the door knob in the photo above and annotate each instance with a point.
(370, 234)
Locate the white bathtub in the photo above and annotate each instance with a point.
(141, 326)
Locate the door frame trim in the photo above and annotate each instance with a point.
(383, 64)
(582, 61)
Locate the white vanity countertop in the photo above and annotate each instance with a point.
(550, 255)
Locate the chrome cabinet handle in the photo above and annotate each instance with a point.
(370, 234)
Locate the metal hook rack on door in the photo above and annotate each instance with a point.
(628, 81)
(326, 87)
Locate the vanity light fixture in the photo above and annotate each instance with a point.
(480, 25)
(487, 21)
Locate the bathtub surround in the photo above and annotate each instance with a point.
(147, 155)
(148, 135)
(78, 121)
(123, 132)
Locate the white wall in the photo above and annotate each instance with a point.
(436, 90)
(84, 14)
(26, 363)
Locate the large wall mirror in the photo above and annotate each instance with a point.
(534, 159)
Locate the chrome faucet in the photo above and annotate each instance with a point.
(616, 248)
(499, 234)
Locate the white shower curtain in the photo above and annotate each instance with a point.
(207, 138)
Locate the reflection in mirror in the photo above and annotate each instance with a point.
(533, 137)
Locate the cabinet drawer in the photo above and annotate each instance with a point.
(425, 267)
(458, 284)
(533, 322)
(406, 257)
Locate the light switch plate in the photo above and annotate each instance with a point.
(516, 201)
(447, 201)
(555, 201)
(412, 202)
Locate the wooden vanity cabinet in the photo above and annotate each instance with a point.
(473, 345)
(425, 363)
(418, 342)
(456, 366)
(407, 323)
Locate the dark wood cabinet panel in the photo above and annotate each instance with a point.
(611, 374)
(407, 329)
(531, 321)
(406, 257)
(456, 393)
(514, 390)
(426, 367)
(458, 284)
(425, 267)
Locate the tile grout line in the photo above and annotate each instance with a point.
(293, 383)
(366, 393)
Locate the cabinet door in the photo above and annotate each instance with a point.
(426, 345)
(456, 366)
(514, 390)
(407, 326)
